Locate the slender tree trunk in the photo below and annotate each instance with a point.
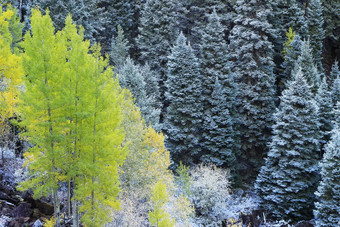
(76, 156)
(75, 213)
(54, 169)
(94, 151)
(2, 157)
(69, 198)
(56, 205)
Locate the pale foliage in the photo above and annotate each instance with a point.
(210, 189)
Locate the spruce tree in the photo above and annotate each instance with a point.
(203, 9)
(218, 143)
(331, 11)
(252, 67)
(293, 52)
(336, 90)
(288, 180)
(324, 100)
(184, 114)
(157, 33)
(327, 210)
(288, 14)
(84, 12)
(119, 50)
(316, 31)
(131, 78)
(334, 79)
(153, 99)
(306, 63)
(216, 81)
(335, 73)
(285, 14)
(121, 13)
(142, 83)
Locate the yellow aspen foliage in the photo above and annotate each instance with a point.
(49, 222)
(10, 69)
(147, 163)
(160, 196)
(290, 37)
(44, 64)
(159, 157)
(135, 129)
(98, 185)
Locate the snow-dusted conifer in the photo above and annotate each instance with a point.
(293, 52)
(153, 102)
(315, 23)
(327, 210)
(121, 13)
(324, 100)
(335, 73)
(119, 50)
(252, 66)
(184, 114)
(306, 63)
(285, 14)
(288, 180)
(218, 138)
(84, 12)
(157, 32)
(335, 83)
(331, 11)
(131, 78)
(216, 79)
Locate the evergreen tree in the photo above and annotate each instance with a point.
(217, 96)
(185, 109)
(121, 13)
(316, 31)
(292, 54)
(157, 33)
(143, 85)
(119, 50)
(252, 67)
(335, 73)
(285, 14)
(131, 78)
(324, 100)
(306, 63)
(336, 112)
(336, 90)
(84, 12)
(153, 102)
(331, 16)
(288, 14)
(218, 140)
(327, 210)
(203, 9)
(334, 79)
(287, 182)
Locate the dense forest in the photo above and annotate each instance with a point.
(169, 113)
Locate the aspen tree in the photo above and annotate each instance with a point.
(44, 63)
